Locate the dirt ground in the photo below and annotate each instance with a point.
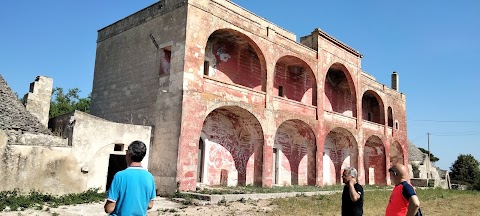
(162, 206)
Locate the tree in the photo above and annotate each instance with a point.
(65, 103)
(465, 170)
(432, 157)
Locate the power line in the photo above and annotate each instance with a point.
(473, 134)
(447, 121)
(418, 138)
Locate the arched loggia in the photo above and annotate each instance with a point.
(340, 151)
(233, 57)
(234, 147)
(374, 161)
(294, 154)
(339, 91)
(295, 80)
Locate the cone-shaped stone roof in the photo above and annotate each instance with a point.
(414, 154)
(14, 116)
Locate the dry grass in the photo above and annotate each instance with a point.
(433, 202)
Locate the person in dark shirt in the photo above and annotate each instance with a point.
(352, 196)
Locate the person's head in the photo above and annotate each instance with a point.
(349, 173)
(398, 173)
(136, 151)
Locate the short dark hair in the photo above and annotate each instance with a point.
(137, 150)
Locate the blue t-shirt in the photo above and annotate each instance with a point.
(131, 189)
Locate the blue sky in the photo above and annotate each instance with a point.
(433, 45)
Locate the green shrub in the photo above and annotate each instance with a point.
(34, 199)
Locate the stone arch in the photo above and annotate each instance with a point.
(235, 147)
(294, 154)
(396, 153)
(372, 107)
(232, 57)
(340, 151)
(295, 80)
(339, 89)
(374, 161)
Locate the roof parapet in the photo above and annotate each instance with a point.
(337, 42)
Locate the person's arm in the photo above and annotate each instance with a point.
(354, 196)
(153, 194)
(150, 204)
(413, 206)
(109, 206)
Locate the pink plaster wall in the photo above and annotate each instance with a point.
(374, 157)
(236, 135)
(297, 82)
(297, 143)
(396, 153)
(371, 105)
(338, 95)
(340, 152)
(234, 61)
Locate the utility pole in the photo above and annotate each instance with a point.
(429, 161)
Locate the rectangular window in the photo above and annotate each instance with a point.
(165, 58)
(280, 91)
(206, 68)
(369, 117)
(118, 147)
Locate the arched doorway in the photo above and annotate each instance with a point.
(374, 161)
(396, 153)
(232, 57)
(340, 91)
(234, 147)
(340, 151)
(294, 154)
(390, 117)
(372, 107)
(294, 80)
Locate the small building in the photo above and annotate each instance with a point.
(423, 171)
(81, 152)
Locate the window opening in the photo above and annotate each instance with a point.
(280, 91)
(118, 147)
(206, 68)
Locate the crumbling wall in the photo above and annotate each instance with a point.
(34, 163)
(94, 140)
(37, 100)
(57, 165)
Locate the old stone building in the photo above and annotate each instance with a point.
(236, 100)
(80, 151)
(423, 172)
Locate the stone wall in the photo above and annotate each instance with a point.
(38, 166)
(37, 100)
(73, 164)
(131, 85)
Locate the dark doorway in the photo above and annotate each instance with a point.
(115, 163)
(201, 158)
(275, 166)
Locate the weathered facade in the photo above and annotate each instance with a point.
(236, 100)
(83, 151)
